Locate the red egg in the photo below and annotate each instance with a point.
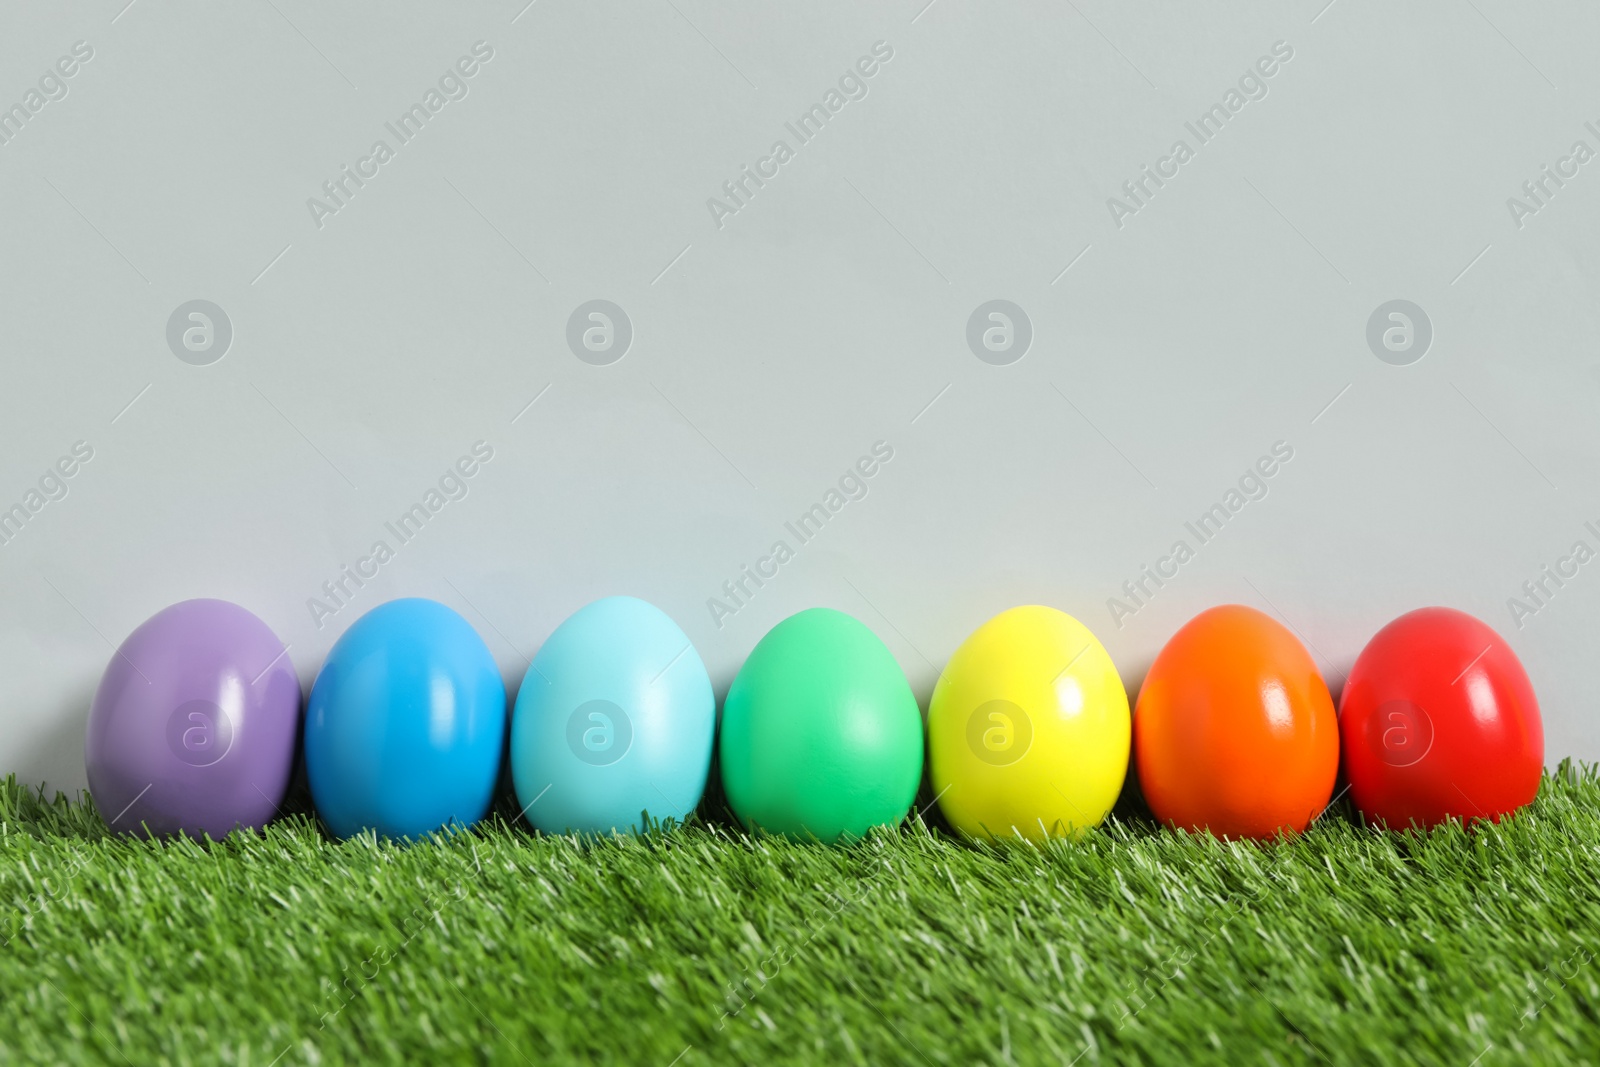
(1439, 720)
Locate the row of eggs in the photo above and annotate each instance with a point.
(196, 726)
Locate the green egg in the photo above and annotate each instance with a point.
(821, 736)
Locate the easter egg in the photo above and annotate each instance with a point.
(405, 724)
(193, 727)
(1234, 730)
(615, 717)
(1439, 720)
(1028, 729)
(821, 735)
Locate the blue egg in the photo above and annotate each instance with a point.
(615, 717)
(405, 724)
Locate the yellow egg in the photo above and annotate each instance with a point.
(1028, 730)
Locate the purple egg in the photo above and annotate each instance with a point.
(194, 725)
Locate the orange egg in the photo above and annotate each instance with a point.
(1234, 731)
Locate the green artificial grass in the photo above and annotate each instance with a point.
(701, 944)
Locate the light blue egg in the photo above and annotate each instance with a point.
(405, 724)
(615, 717)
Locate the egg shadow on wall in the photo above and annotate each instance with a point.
(926, 804)
(1130, 806)
(503, 803)
(714, 808)
(297, 802)
(60, 750)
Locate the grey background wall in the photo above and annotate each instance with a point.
(1158, 341)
